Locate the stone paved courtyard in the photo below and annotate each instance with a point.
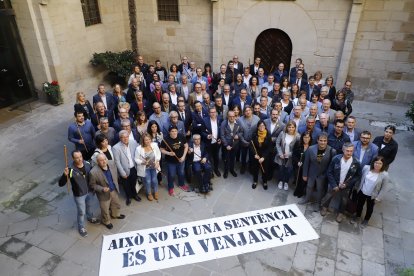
(38, 235)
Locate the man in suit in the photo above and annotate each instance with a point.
(230, 136)
(343, 173)
(351, 130)
(280, 73)
(326, 108)
(124, 152)
(311, 88)
(282, 114)
(106, 98)
(248, 122)
(103, 179)
(261, 77)
(242, 100)
(365, 151)
(133, 87)
(227, 96)
(221, 75)
(143, 66)
(123, 115)
(207, 103)
(156, 95)
(198, 118)
(254, 68)
(231, 72)
(222, 110)
(184, 115)
(177, 123)
(274, 126)
(198, 156)
(166, 105)
(185, 87)
(140, 104)
(237, 64)
(184, 66)
(199, 78)
(196, 95)
(211, 137)
(293, 70)
(323, 123)
(311, 128)
(315, 166)
(300, 80)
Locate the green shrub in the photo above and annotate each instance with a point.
(406, 271)
(410, 112)
(117, 63)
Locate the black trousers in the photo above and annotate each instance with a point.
(229, 158)
(256, 169)
(360, 205)
(214, 150)
(129, 183)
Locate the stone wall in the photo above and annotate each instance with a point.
(58, 46)
(167, 40)
(382, 64)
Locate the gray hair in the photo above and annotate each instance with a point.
(123, 133)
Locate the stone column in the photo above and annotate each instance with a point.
(351, 31)
(217, 22)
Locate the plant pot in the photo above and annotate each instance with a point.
(53, 99)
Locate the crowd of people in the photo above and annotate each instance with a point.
(193, 124)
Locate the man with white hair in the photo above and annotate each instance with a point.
(103, 179)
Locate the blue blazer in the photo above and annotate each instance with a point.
(237, 101)
(279, 76)
(370, 153)
(315, 133)
(204, 153)
(110, 101)
(198, 122)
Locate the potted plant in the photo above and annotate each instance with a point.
(53, 92)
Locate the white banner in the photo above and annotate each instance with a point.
(198, 241)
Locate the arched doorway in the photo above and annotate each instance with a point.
(273, 46)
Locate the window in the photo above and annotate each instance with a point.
(90, 11)
(168, 10)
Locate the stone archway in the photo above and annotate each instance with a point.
(273, 46)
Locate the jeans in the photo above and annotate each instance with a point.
(173, 170)
(151, 180)
(84, 206)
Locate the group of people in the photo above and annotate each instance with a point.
(187, 120)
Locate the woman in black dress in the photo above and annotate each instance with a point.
(298, 155)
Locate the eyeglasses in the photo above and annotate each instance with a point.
(365, 138)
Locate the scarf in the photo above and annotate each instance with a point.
(261, 135)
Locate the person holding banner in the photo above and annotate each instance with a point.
(147, 158)
(260, 148)
(103, 179)
(344, 172)
(78, 174)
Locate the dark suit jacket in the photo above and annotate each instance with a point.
(315, 133)
(204, 153)
(198, 122)
(303, 83)
(252, 69)
(98, 181)
(279, 76)
(188, 118)
(309, 90)
(110, 101)
(314, 170)
(230, 102)
(276, 131)
(237, 101)
(207, 130)
(147, 108)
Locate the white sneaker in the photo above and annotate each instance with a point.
(286, 186)
(280, 186)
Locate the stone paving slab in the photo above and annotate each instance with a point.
(54, 246)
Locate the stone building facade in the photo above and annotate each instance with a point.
(369, 41)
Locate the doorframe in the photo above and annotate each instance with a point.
(24, 63)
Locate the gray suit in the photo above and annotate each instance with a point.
(316, 171)
(280, 126)
(180, 90)
(121, 158)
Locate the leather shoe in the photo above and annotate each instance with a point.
(121, 216)
(109, 226)
(225, 174)
(265, 186)
(128, 201)
(210, 187)
(217, 172)
(137, 198)
(233, 173)
(254, 185)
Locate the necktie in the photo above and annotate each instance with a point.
(182, 116)
(297, 81)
